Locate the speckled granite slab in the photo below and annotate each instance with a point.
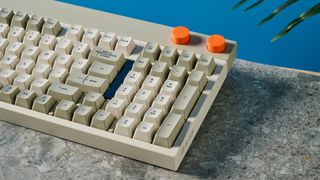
(264, 124)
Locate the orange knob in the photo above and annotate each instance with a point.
(216, 43)
(180, 35)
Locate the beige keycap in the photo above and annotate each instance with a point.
(65, 109)
(8, 94)
(142, 65)
(126, 92)
(94, 100)
(171, 88)
(23, 81)
(47, 41)
(163, 102)
(43, 103)
(134, 79)
(116, 107)
(14, 48)
(125, 45)
(40, 86)
(58, 75)
(25, 98)
(80, 66)
(81, 50)
(155, 116)
(4, 30)
(47, 57)
(83, 115)
(16, 34)
(25, 66)
(76, 80)
(145, 132)
(30, 52)
(63, 61)
(186, 101)
(126, 126)
(91, 37)
(206, 64)
(35, 23)
(6, 15)
(178, 73)
(95, 84)
(108, 57)
(102, 70)
(62, 91)
(152, 83)
(9, 61)
(151, 51)
(20, 19)
(32, 38)
(169, 55)
(144, 96)
(51, 27)
(197, 79)
(64, 45)
(135, 110)
(102, 120)
(41, 70)
(108, 40)
(160, 69)
(187, 59)
(3, 45)
(7, 76)
(169, 130)
(75, 33)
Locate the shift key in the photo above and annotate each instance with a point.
(62, 91)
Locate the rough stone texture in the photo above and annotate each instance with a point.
(264, 124)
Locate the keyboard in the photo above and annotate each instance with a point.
(125, 86)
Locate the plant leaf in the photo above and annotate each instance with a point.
(239, 4)
(278, 10)
(302, 17)
(254, 5)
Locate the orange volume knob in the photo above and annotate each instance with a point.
(216, 43)
(180, 35)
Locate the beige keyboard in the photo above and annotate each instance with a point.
(143, 99)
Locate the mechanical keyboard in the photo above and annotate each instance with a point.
(126, 86)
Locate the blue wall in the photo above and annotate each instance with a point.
(300, 49)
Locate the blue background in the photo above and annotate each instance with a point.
(299, 49)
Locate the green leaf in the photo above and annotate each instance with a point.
(304, 16)
(254, 5)
(239, 4)
(278, 10)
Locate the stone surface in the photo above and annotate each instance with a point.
(264, 124)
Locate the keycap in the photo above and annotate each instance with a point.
(16, 34)
(180, 35)
(108, 41)
(102, 70)
(125, 45)
(160, 69)
(116, 107)
(80, 66)
(134, 79)
(187, 59)
(62, 91)
(30, 52)
(75, 33)
(63, 61)
(169, 130)
(91, 37)
(163, 102)
(169, 55)
(65, 109)
(126, 92)
(19, 19)
(102, 120)
(4, 30)
(43, 103)
(83, 115)
(47, 57)
(155, 116)
(7, 76)
(9, 61)
(6, 15)
(58, 75)
(51, 27)
(40, 86)
(14, 48)
(25, 66)
(64, 45)
(206, 64)
(197, 79)
(94, 100)
(171, 88)
(126, 126)
(108, 57)
(178, 73)
(88, 83)
(135, 110)
(152, 83)
(35, 23)
(25, 98)
(216, 43)
(23, 81)
(186, 101)
(142, 65)
(32, 38)
(8, 93)
(47, 42)
(81, 50)
(145, 132)
(144, 96)
(41, 70)
(151, 51)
